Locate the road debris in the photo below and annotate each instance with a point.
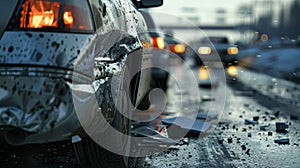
(191, 125)
(282, 141)
(243, 147)
(245, 92)
(184, 141)
(205, 115)
(277, 113)
(153, 138)
(246, 105)
(255, 118)
(281, 126)
(270, 133)
(263, 127)
(144, 131)
(229, 140)
(76, 139)
(248, 152)
(247, 121)
(207, 98)
(293, 117)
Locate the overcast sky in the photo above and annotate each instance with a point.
(195, 13)
(204, 10)
(182, 12)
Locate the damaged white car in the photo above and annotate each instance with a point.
(56, 54)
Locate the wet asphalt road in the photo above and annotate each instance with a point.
(231, 142)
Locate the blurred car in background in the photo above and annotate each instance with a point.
(209, 49)
(176, 47)
(160, 54)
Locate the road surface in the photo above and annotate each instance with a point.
(230, 142)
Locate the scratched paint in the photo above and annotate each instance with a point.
(38, 70)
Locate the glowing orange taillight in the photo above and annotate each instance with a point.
(65, 14)
(38, 14)
(177, 48)
(158, 42)
(68, 18)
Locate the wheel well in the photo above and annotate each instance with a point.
(133, 63)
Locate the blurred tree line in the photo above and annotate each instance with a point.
(289, 24)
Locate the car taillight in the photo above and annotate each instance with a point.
(177, 48)
(54, 14)
(158, 42)
(39, 14)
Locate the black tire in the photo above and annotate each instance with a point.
(92, 155)
(161, 83)
(197, 61)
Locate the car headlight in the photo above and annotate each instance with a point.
(232, 70)
(204, 50)
(232, 51)
(203, 73)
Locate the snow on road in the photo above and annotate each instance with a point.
(278, 62)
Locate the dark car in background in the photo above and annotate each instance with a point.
(160, 54)
(211, 47)
(50, 47)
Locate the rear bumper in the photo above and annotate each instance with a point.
(229, 58)
(39, 100)
(225, 58)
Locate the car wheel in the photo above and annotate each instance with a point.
(163, 83)
(92, 155)
(198, 61)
